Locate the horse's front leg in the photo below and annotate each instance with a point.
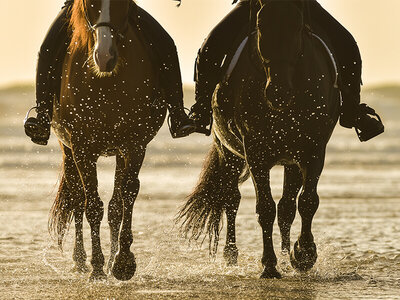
(124, 265)
(304, 253)
(293, 180)
(75, 187)
(85, 160)
(260, 165)
(115, 211)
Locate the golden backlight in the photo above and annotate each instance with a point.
(375, 25)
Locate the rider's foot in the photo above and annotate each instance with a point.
(38, 129)
(179, 124)
(202, 117)
(367, 123)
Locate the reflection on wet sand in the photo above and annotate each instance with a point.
(357, 226)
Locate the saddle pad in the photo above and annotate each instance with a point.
(242, 45)
(331, 56)
(235, 59)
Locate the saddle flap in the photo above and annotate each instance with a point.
(330, 54)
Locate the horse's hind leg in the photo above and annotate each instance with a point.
(260, 165)
(124, 266)
(230, 250)
(115, 211)
(85, 160)
(293, 180)
(76, 189)
(304, 253)
(231, 167)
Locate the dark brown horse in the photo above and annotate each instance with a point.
(108, 105)
(279, 107)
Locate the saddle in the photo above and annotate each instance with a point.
(231, 60)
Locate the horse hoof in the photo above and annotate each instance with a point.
(270, 273)
(303, 259)
(124, 266)
(231, 254)
(98, 275)
(80, 268)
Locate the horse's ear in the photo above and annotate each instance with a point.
(179, 3)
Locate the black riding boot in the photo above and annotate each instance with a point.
(366, 121)
(171, 82)
(363, 118)
(48, 77)
(209, 60)
(201, 111)
(180, 125)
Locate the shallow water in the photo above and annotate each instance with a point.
(356, 228)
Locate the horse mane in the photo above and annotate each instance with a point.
(81, 35)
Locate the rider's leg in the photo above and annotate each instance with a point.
(353, 114)
(50, 58)
(171, 81)
(210, 58)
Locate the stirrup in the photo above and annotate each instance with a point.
(28, 113)
(203, 129)
(185, 130)
(32, 126)
(365, 136)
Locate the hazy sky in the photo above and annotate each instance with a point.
(374, 24)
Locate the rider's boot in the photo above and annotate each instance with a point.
(38, 128)
(201, 112)
(48, 77)
(167, 58)
(363, 118)
(206, 78)
(180, 125)
(366, 121)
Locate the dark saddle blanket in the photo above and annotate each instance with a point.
(231, 61)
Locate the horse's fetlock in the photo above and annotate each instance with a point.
(131, 187)
(97, 260)
(269, 260)
(94, 215)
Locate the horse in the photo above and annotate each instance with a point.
(279, 106)
(109, 105)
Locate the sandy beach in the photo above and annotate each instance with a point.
(356, 228)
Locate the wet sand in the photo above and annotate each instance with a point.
(356, 228)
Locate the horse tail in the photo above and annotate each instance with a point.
(202, 212)
(61, 212)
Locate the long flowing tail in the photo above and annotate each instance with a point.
(62, 212)
(202, 213)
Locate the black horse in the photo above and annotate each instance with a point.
(279, 107)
